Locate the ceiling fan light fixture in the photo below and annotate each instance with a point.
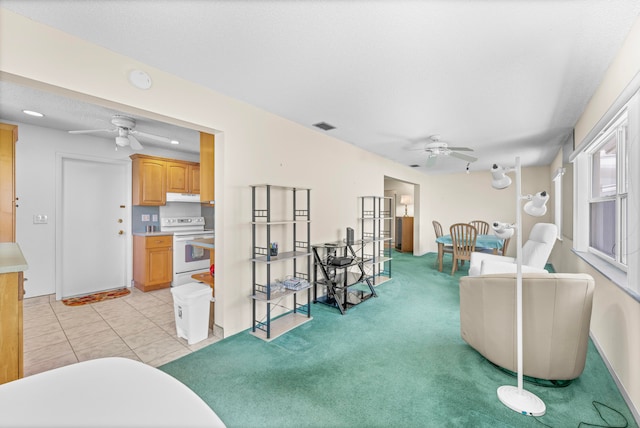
(140, 79)
(122, 141)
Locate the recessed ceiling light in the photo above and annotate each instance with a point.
(139, 79)
(33, 113)
(175, 142)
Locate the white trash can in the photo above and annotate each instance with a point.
(191, 304)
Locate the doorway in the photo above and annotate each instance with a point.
(405, 205)
(92, 225)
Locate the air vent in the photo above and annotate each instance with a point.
(414, 166)
(324, 126)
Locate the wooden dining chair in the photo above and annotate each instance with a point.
(463, 237)
(447, 249)
(505, 245)
(481, 226)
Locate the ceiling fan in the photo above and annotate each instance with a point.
(125, 132)
(438, 148)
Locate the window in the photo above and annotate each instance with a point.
(557, 200)
(608, 194)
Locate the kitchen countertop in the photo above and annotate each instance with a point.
(11, 258)
(152, 233)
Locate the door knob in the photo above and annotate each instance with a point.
(121, 232)
(119, 220)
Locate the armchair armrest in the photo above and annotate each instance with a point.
(477, 258)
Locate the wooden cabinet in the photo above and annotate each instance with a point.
(152, 261)
(183, 177)
(12, 265)
(8, 138)
(153, 177)
(207, 160)
(149, 180)
(404, 234)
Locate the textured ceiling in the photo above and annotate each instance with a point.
(504, 78)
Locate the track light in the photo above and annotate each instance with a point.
(537, 206)
(503, 230)
(500, 179)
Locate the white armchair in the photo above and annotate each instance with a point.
(535, 253)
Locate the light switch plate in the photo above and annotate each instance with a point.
(40, 219)
(145, 217)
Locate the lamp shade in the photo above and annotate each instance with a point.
(500, 180)
(537, 206)
(405, 199)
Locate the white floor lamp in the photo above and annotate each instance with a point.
(517, 398)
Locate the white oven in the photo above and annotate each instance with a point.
(187, 259)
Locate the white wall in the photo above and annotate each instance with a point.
(36, 173)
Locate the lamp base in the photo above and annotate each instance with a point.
(521, 401)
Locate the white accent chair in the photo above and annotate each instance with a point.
(556, 315)
(535, 253)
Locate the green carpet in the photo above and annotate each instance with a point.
(392, 361)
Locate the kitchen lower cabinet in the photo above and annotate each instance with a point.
(152, 261)
(12, 265)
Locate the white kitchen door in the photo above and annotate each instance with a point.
(93, 226)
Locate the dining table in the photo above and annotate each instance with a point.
(483, 242)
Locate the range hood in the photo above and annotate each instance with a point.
(183, 197)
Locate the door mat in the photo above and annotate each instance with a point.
(96, 297)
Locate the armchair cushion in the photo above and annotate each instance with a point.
(556, 315)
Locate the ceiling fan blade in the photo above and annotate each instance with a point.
(151, 136)
(431, 161)
(463, 157)
(90, 131)
(134, 143)
(461, 149)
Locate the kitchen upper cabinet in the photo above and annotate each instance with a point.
(149, 180)
(207, 167)
(152, 262)
(183, 177)
(8, 138)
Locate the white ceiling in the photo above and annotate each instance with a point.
(504, 77)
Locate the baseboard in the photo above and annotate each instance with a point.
(623, 391)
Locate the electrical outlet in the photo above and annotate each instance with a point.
(145, 217)
(155, 217)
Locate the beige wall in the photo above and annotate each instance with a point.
(460, 198)
(615, 320)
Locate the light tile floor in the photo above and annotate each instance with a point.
(140, 326)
